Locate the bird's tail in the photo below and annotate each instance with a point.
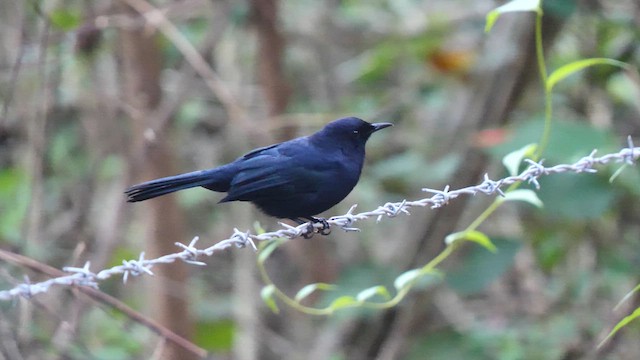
(217, 179)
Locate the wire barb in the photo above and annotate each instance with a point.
(191, 253)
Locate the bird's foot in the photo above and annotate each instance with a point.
(326, 228)
(311, 229)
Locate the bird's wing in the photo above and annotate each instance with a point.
(269, 173)
(258, 151)
(289, 149)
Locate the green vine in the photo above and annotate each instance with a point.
(405, 282)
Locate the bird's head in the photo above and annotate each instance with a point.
(350, 130)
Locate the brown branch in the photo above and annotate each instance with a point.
(156, 18)
(108, 300)
(269, 59)
(142, 66)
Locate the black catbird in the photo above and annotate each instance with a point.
(296, 179)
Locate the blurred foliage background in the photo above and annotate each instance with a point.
(98, 95)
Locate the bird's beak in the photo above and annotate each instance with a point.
(380, 126)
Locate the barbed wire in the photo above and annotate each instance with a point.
(83, 276)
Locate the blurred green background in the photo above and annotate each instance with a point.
(95, 97)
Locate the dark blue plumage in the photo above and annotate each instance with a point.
(296, 179)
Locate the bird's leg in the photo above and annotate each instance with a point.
(310, 229)
(325, 230)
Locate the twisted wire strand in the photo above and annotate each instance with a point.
(84, 276)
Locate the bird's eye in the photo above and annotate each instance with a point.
(355, 131)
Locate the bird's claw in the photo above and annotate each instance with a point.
(311, 229)
(326, 228)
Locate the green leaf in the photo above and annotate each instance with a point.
(628, 296)
(343, 302)
(451, 238)
(617, 173)
(526, 195)
(622, 88)
(513, 159)
(14, 203)
(568, 69)
(482, 239)
(474, 236)
(477, 269)
(576, 196)
(448, 344)
(257, 227)
(512, 6)
(215, 335)
(65, 19)
(624, 322)
(569, 141)
(267, 296)
(373, 291)
(266, 251)
(407, 278)
(309, 289)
